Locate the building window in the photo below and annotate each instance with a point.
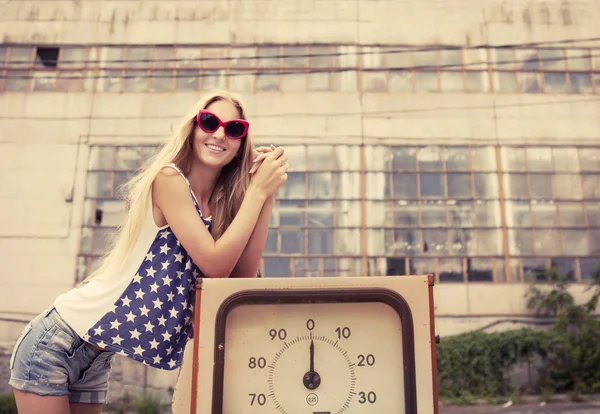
(299, 68)
(452, 211)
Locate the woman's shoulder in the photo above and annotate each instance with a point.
(169, 181)
(170, 170)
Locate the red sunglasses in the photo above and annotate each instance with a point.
(234, 129)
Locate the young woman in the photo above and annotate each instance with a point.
(200, 208)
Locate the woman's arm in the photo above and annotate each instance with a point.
(249, 262)
(215, 259)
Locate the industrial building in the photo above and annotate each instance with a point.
(458, 138)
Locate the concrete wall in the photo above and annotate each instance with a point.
(45, 137)
(263, 21)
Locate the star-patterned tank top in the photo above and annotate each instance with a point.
(142, 308)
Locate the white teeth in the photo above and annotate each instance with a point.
(214, 147)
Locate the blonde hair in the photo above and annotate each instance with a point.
(224, 202)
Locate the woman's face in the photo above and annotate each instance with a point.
(215, 149)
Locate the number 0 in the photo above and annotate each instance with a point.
(310, 324)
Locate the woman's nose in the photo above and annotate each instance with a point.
(219, 133)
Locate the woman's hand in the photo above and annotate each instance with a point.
(272, 172)
(259, 155)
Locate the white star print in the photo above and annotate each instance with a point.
(102, 344)
(144, 323)
(191, 307)
(148, 326)
(117, 340)
(144, 310)
(122, 353)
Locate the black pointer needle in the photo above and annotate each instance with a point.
(312, 356)
(312, 379)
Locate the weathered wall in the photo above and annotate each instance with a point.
(358, 21)
(44, 137)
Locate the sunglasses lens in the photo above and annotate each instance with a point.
(208, 122)
(235, 129)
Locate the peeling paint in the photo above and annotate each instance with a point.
(545, 16)
(527, 17)
(34, 13)
(506, 15)
(566, 16)
(111, 28)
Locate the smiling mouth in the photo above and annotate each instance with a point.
(214, 148)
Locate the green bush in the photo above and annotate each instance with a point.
(7, 404)
(567, 355)
(574, 347)
(478, 363)
(138, 405)
(148, 405)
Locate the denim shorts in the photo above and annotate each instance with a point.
(49, 358)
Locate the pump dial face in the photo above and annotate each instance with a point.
(317, 354)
